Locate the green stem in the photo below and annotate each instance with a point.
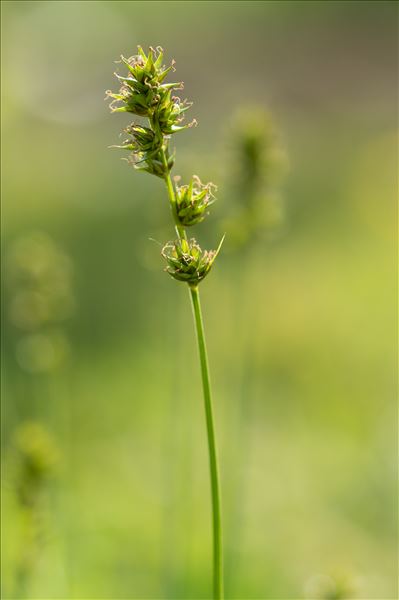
(206, 384)
(213, 463)
(172, 198)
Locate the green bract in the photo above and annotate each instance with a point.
(187, 262)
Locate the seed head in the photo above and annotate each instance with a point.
(192, 201)
(143, 92)
(142, 88)
(187, 262)
(145, 147)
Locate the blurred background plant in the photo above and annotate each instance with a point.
(38, 276)
(336, 586)
(301, 316)
(33, 462)
(256, 163)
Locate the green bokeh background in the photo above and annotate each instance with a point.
(301, 322)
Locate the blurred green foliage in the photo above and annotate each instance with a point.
(97, 341)
(257, 164)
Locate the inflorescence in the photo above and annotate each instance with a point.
(144, 93)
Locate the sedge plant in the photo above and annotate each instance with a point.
(145, 93)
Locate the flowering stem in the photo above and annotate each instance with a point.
(213, 462)
(206, 385)
(144, 93)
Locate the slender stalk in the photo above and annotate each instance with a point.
(213, 462)
(172, 198)
(206, 384)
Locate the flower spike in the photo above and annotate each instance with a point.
(187, 262)
(193, 200)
